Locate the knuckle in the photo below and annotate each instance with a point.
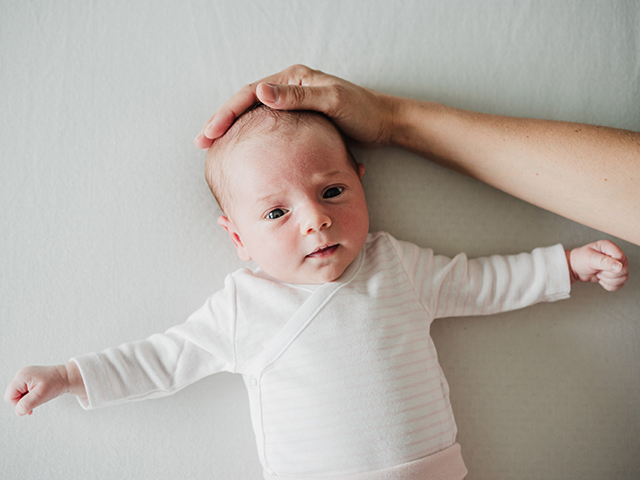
(338, 92)
(299, 69)
(249, 87)
(335, 97)
(297, 94)
(305, 75)
(604, 261)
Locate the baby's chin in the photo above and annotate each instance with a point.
(315, 278)
(308, 279)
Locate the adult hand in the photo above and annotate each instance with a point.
(363, 114)
(587, 173)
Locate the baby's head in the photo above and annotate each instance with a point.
(291, 194)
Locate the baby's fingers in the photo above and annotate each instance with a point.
(33, 386)
(612, 281)
(603, 256)
(28, 402)
(17, 394)
(614, 259)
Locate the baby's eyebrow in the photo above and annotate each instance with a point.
(326, 176)
(322, 177)
(333, 173)
(268, 198)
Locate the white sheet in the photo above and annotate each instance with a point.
(108, 231)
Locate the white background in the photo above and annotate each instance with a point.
(108, 232)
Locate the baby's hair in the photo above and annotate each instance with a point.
(253, 122)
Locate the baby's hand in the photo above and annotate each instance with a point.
(601, 262)
(33, 386)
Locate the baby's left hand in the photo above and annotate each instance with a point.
(601, 262)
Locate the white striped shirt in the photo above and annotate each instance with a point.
(344, 377)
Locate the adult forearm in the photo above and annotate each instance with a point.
(587, 173)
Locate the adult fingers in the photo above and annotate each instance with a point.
(218, 124)
(360, 113)
(298, 97)
(222, 119)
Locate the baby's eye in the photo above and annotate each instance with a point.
(333, 192)
(273, 214)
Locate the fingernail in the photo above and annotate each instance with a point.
(206, 131)
(617, 267)
(200, 135)
(270, 93)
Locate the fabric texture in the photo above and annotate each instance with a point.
(343, 378)
(445, 465)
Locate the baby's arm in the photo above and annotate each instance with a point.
(34, 386)
(601, 262)
(152, 368)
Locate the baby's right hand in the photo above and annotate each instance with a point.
(33, 386)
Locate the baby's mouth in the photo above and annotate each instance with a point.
(323, 252)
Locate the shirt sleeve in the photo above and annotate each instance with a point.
(459, 286)
(164, 363)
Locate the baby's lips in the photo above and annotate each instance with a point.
(322, 249)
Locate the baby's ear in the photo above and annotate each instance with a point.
(235, 237)
(360, 170)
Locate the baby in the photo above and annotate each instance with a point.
(331, 332)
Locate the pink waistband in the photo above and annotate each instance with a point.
(444, 465)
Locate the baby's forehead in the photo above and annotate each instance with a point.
(277, 127)
(261, 135)
(275, 134)
(286, 152)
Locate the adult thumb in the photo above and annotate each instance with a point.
(293, 97)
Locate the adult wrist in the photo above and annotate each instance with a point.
(416, 124)
(399, 122)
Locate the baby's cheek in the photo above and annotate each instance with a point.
(358, 218)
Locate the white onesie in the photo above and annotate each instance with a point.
(343, 378)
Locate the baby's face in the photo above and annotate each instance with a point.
(298, 207)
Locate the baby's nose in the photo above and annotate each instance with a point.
(316, 220)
